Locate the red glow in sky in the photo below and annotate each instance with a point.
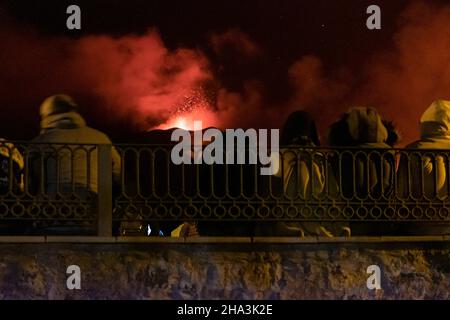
(156, 83)
(186, 120)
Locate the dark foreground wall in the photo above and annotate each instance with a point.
(418, 270)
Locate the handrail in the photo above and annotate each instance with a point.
(74, 185)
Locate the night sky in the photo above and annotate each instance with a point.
(247, 63)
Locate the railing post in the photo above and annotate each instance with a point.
(104, 169)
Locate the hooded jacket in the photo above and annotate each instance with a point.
(366, 128)
(62, 124)
(368, 173)
(10, 153)
(303, 173)
(435, 134)
(434, 127)
(300, 177)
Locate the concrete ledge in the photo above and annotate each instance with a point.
(220, 240)
(22, 239)
(342, 239)
(285, 240)
(79, 239)
(357, 239)
(413, 239)
(149, 240)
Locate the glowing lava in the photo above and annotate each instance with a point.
(180, 122)
(186, 120)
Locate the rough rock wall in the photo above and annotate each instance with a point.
(224, 271)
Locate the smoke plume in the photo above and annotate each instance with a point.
(137, 77)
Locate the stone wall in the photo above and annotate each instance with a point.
(225, 271)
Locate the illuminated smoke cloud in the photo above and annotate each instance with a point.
(141, 76)
(315, 91)
(133, 76)
(401, 82)
(137, 77)
(404, 81)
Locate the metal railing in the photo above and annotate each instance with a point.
(46, 187)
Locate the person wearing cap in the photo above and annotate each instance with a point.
(424, 177)
(70, 168)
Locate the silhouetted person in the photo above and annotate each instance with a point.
(365, 174)
(303, 173)
(69, 170)
(11, 186)
(424, 178)
(11, 168)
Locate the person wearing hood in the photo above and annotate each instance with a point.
(302, 175)
(11, 185)
(300, 131)
(366, 173)
(11, 176)
(424, 176)
(71, 169)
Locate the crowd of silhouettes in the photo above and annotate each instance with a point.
(358, 168)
